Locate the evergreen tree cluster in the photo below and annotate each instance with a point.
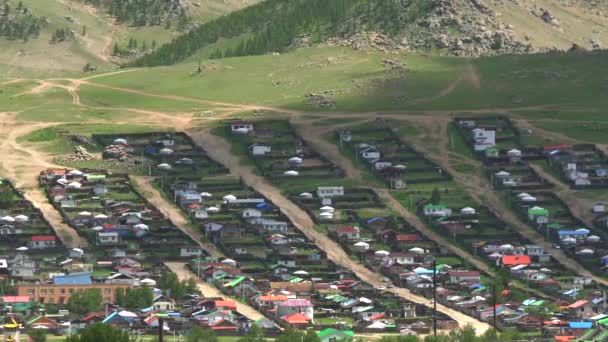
(61, 35)
(19, 22)
(133, 48)
(145, 12)
(273, 24)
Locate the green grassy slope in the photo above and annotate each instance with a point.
(568, 81)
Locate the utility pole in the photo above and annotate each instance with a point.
(160, 329)
(495, 303)
(434, 298)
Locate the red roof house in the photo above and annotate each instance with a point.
(296, 318)
(515, 260)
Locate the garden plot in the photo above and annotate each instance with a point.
(581, 166)
(279, 153)
(162, 153)
(23, 227)
(378, 148)
(549, 215)
(516, 176)
(111, 214)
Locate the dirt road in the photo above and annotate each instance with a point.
(208, 290)
(22, 165)
(173, 213)
(219, 149)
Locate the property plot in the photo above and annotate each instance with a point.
(549, 215)
(581, 166)
(106, 209)
(279, 153)
(378, 148)
(22, 227)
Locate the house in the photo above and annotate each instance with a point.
(190, 251)
(457, 277)
(42, 322)
(163, 303)
(349, 233)
(400, 258)
(333, 335)
(483, 138)
(107, 239)
(381, 165)
(583, 309)
(241, 127)
(377, 223)
(535, 250)
(296, 320)
(433, 210)
(259, 149)
(330, 191)
(515, 260)
(598, 208)
(538, 215)
(251, 212)
(291, 306)
(370, 154)
(43, 241)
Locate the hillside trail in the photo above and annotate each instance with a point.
(220, 150)
(470, 75)
(175, 215)
(22, 165)
(482, 192)
(210, 291)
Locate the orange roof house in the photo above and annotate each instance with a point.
(296, 318)
(515, 260)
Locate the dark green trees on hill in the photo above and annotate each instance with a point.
(19, 22)
(144, 12)
(272, 26)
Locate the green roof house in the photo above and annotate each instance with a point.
(331, 335)
(491, 152)
(538, 215)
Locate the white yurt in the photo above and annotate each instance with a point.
(362, 246)
(296, 160)
(585, 251)
(416, 250)
(74, 185)
(327, 209)
(75, 173)
(213, 209)
(230, 262)
(166, 151)
(382, 253)
(528, 199)
(164, 166)
(84, 213)
(306, 195)
(291, 173)
(467, 211)
(229, 198)
(593, 239)
(206, 194)
(502, 174)
(326, 216)
(569, 240)
(21, 218)
(523, 194)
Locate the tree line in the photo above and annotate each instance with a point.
(272, 26)
(145, 12)
(103, 333)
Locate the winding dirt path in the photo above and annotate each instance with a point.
(219, 149)
(210, 291)
(22, 165)
(174, 214)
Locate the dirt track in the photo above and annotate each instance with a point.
(22, 165)
(208, 290)
(173, 213)
(219, 149)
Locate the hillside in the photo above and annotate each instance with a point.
(87, 33)
(462, 28)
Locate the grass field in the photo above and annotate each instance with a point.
(362, 83)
